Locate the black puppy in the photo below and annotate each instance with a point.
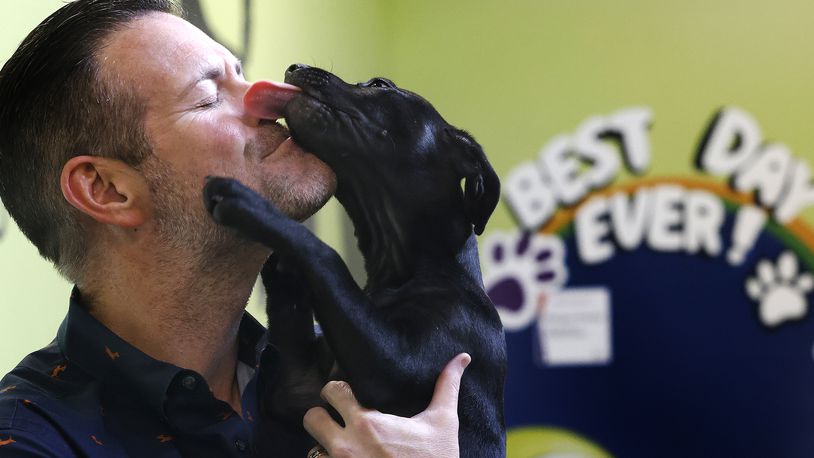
(399, 170)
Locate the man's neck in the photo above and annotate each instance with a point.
(179, 314)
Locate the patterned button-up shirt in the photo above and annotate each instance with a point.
(90, 393)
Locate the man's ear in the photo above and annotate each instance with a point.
(107, 190)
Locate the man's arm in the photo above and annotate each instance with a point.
(370, 433)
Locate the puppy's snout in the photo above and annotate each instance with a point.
(294, 67)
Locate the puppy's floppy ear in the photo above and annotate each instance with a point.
(482, 185)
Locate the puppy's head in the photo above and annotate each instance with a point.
(377, 132)
(347, 123)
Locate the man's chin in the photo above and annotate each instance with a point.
(315, 208)
(303, 192)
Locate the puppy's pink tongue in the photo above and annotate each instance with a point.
(266, 99)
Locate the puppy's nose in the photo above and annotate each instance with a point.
(294, 67)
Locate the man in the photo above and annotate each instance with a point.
(112, 113)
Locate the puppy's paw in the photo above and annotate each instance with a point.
(235, 205)
(219, 191)
(289, 383)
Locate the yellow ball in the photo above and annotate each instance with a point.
(543, 442)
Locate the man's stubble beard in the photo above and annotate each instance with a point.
(299, 196)
(186, 231)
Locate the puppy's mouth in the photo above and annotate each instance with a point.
(313, 119)
(267, 99)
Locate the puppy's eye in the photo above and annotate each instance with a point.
(380, 82)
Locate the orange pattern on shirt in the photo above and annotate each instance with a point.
(7, 441)
(58, 370)
(112, 354)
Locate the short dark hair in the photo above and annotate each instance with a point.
(54, 105)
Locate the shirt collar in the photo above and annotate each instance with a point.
(108, 358)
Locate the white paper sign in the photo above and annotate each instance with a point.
(575, 327)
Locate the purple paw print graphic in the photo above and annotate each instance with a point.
(520, 268)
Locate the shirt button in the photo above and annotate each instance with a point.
(189, 382)
(241, 445)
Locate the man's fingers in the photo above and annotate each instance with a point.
(319, 424)
(449, 383)
(339, 395)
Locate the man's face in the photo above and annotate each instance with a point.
(197, 125)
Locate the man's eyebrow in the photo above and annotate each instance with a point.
(214, 73)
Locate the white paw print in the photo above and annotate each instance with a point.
(520, 266)
(780, 290)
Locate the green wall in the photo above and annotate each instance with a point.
(514, 73)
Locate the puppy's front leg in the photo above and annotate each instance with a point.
(298, 362)
(367, 347)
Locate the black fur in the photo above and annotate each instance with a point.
(399, 168)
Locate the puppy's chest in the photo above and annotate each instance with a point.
(465, 315)
(440, 291)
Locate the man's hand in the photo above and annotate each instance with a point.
(369, 433)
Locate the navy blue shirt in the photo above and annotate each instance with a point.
(90, 393)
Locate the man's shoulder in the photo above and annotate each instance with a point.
(25, 430)
(30, 378)
(40, 400)
(21, 417)
(44, 369)
(45, 379)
